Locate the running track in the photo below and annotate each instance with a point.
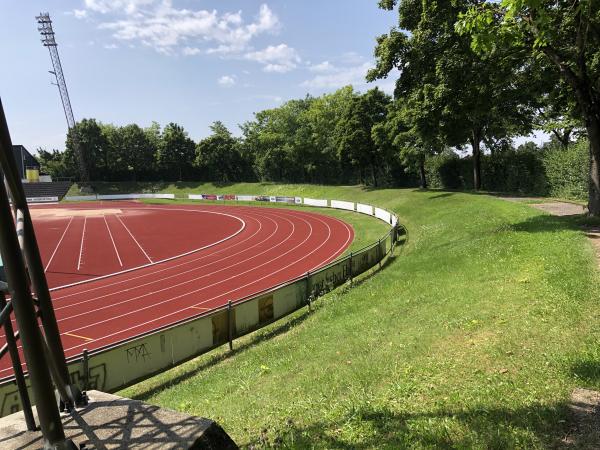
(120, 269)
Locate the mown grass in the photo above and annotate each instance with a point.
(473, 337)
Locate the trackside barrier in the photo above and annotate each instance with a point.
(81, 198)
(364, 209)
(41, 199)
(339, 204)
(315, 202)
(122, 364)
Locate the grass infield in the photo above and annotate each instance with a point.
(473, 337)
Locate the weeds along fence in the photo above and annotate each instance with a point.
(122, 364)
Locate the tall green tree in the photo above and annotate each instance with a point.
(176, 152)
(355, 144)
(564, 32)
(87, 135)
(464, 96)
(218, 156)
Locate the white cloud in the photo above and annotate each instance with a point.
(323, 67)
(110, 46)
(339, 76)
(226, 80)
(107, 6)
(276, 58)
(158, 24)
(190, 51)
(80, 13)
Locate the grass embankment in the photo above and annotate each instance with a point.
(473, 338)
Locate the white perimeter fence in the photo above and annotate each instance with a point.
(124, 363)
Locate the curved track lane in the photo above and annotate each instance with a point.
(273, 245)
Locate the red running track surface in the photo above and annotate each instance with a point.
(120, 269)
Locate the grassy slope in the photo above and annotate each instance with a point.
(473, 338)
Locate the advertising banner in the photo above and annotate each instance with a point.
(245, 198)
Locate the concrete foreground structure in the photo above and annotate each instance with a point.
(113, 422)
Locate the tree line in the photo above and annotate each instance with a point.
(333, 138)
(473, 74)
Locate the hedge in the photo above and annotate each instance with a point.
(551, 170)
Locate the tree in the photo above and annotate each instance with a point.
(133, 152)
(175, 153)
(218, 156)
(88, 136)
(353, 132)
(461, 95)
(56, 164)
(564, 32)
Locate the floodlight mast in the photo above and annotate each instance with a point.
(49, 41)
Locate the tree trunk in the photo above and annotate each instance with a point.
(593, 130)
(374, 170)
(422, 173)
(475, 143)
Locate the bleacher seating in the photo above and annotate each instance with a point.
(54, 189)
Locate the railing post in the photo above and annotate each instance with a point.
(16, 363)
(86, 369)
(308, 293)
(351, 270)
(379, 251)
(230, 325)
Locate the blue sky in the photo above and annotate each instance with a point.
(186, 61)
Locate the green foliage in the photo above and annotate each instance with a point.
(567, 170)
(218, 156)
(551, 170)
(175, 153)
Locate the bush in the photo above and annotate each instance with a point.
(551, 170)
(567, 170)
(448, 171)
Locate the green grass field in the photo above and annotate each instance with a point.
(473, 337)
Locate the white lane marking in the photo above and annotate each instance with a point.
(212, 244)
(210, 299)
(173, 286)
(202, 288)
(134, 239)
(58, 245)
(113, 241)
(161, 280)
(196, 306)
(81, 246)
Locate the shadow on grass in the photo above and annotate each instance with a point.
(442, 195)
(547, 224)
(536, 425)
(587, 370)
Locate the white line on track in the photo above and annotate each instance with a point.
(194, 291)
(337, 252)
(113, 241)
(58, 245)
(173, 286)
(212, 244)
(162, 279)
(210, 299)
(133, 237)
(81, 246)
